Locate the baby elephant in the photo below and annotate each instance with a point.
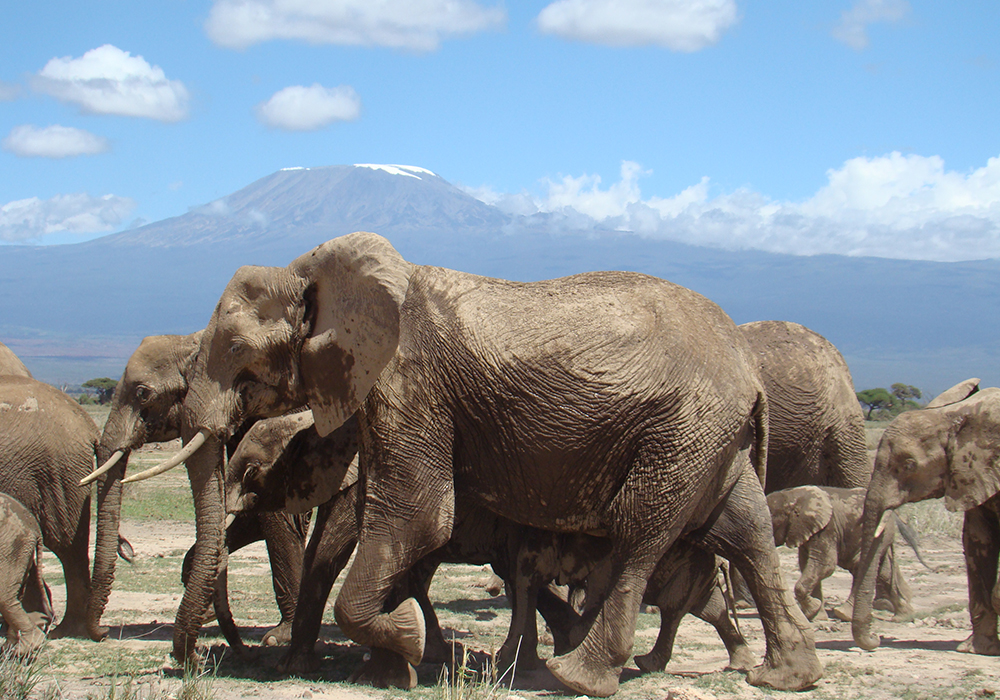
(21, 581)
(824, 522)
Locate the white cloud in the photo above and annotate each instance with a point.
(853, 27)
(679, 25)
(891, 206)
(31, 219)
(418, 25)
(9, 91)
(107, 80)
(53, 141)
(300, 108)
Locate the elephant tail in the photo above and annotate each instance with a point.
(911, 537)
(759, 453)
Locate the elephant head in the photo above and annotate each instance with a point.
(145, 408)
(798, 513)
(319, 332)
(283, 464)
(951, 451)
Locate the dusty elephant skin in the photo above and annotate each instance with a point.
(603, 403)
(21, 576)
(47, 445)
(824, 524)
(146, 407)
(11, 364)
(950, 449)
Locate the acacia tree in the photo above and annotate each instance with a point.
(876, 400)
(907, 395)
(104, 386)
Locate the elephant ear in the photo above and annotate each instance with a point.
(809, 511)
(959, 392)
(973, 452)
(357, 285)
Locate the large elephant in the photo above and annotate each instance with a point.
(952, 449)
(146, 408)
(817, 428)
(47, 445)
(604, 403)
(11, 363)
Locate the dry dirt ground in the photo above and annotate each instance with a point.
(918, 657)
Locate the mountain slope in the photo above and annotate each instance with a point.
(73, 310)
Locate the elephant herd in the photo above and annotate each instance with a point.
(608, 430)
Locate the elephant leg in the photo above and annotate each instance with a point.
(981, 542)
(742, 533)
(21, 631)
(682, 579)
(334, 535)
(285, 536)
(521, 644)
(891, 585)
(560, 616)
(75, 559)
(717, 611)
(820, 556)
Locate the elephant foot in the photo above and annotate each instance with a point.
(299, 661)
(440, 651)
(741, 659)
(411, 631)
(278, 636)
(522, 660)
(651, 662)
(844, 612)
(97, 633)
(810, 606)
(72, 628)
(883, 604)
(28, 642)
(385, 669)
(591, 679)
(790, 672)
(980, 644)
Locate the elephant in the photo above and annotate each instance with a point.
(11, 363)
(287, 466)
(145, 408)
(21, 577)
(824, 524)
(606, 403)
(950, 449)
(47, 444)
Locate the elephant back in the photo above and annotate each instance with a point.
(10, 364)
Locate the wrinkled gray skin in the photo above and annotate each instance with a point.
(604, 403)
(21, 576)
(11, 363)
(291, 468)
(146, 408)
(47, 445)
(824, 524)
(949, 450)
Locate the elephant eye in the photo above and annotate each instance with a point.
(143, 394)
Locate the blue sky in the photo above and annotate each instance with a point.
(865, 127)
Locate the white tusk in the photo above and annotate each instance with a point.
(189, 449)
(103, 469)
(230, 517)
(882, 524)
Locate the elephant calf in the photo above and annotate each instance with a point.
(21, 579)
(824, 523)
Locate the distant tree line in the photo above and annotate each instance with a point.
(882, 404)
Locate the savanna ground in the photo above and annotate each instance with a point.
(917, 659)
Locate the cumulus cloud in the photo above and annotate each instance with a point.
(54, 141)
(9, 91)
(27, 220)
(418, 25)
(300, 108)
(853, 26)
(893, 206)
(679, 25)
(107, 80)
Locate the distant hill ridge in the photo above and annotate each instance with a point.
(83, 307)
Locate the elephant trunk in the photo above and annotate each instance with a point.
(205, 474)
(873, 546)
(109, 504)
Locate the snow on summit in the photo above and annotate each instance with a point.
(407, 170)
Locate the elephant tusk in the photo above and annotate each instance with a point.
(882, 524)
(103, 469)
(189, 449)
(230, 517)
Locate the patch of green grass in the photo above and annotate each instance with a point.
(19, 677)
(151, 501)
(722, 683)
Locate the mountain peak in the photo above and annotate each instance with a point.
(407, 170)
